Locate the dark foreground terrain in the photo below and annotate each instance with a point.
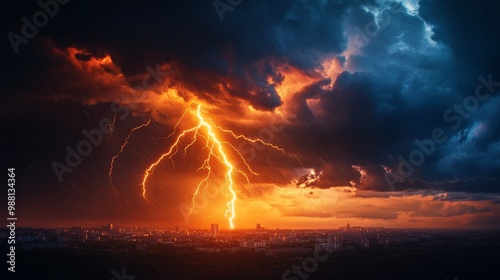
(445, 259)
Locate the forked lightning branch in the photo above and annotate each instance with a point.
(207, 132)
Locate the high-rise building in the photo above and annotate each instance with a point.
(214, 231)
(257, 227)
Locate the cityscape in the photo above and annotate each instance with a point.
(166, 253)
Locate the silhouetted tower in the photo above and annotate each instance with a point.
(214, 231)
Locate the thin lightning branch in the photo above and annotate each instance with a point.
(177, 124)
(122, 148)
(111, 126)
(248, 139)
(179, 121)
(168, 154)
(206, 129)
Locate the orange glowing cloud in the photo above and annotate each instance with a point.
(334, 207)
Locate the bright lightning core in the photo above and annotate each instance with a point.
(207, 131)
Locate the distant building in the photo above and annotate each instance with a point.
(76, 229)
(349, 246)
(62, 239)
(207, 249)
(257, 227)
(252, 244)
(107, 227)
(259, 244)
(365, 244)
(214, 231)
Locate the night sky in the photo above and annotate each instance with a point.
(386, 112)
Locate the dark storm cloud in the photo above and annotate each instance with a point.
(404, 81)
(427, 209)
(190, 34)
(460, 196)
(469, 29)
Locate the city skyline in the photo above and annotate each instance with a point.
(295, 115)
(280, 254)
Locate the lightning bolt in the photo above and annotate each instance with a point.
(111, 126)
(207, 130)
(122, 148)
